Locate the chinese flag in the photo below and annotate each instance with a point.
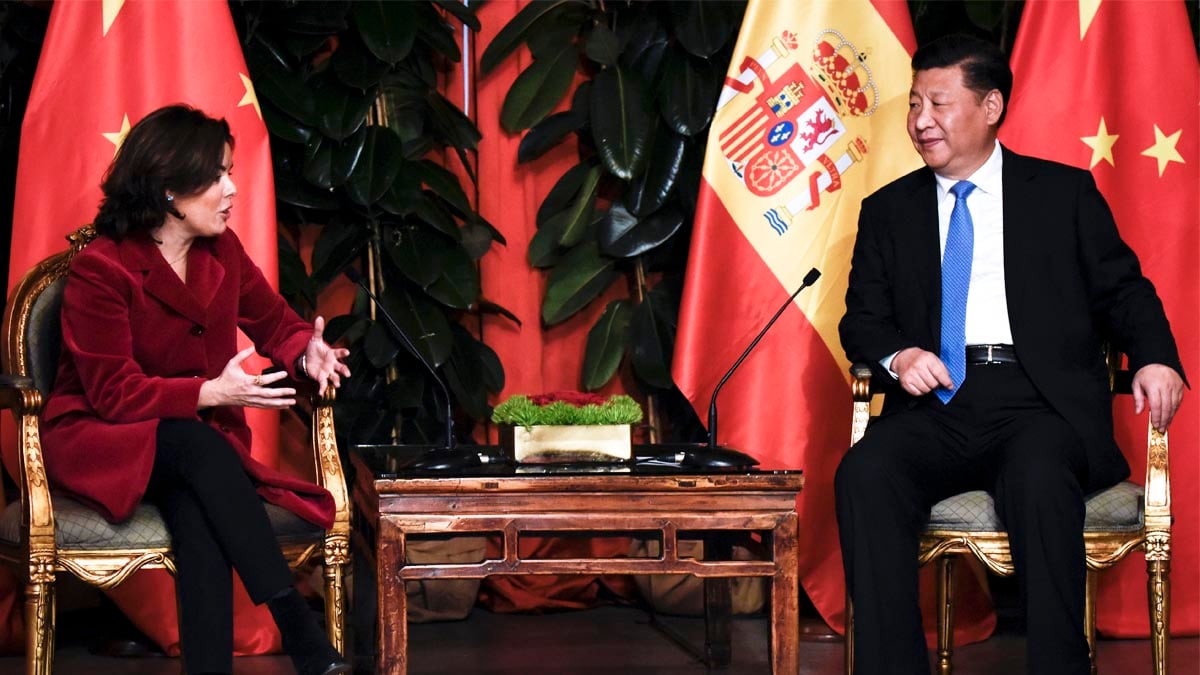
(1112, 87)
(810, 121)
(104, 65)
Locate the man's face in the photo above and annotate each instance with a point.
(952, 127)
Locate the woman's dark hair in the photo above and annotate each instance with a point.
(984, 66)
(176, 149)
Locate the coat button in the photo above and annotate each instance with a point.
(197, 330)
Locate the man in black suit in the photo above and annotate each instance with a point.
(981, 287)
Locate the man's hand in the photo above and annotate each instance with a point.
(921, 372)
(1161, 388)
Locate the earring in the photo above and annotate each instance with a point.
(170, 197)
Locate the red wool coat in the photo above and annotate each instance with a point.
(137, 345)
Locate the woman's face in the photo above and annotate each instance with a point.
(206, 212)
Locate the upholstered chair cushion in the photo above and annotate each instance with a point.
(1117, 508)
(43, 333)
(80, 528)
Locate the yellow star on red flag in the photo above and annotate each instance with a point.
(1164, 149)
(109, 10)
(1087, 12)
(250, 98)
(118, 137)
(1101, 145)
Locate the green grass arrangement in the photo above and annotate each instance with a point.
(521, 411)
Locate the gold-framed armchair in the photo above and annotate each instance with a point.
(45, 534)
(1122, 519)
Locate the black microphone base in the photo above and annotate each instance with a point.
(699, 457)
(457, 459)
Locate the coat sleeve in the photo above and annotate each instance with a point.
(271, 324)
(1122, 299)
(99, 337)
(869, 331)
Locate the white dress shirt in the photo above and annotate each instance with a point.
(987, 305)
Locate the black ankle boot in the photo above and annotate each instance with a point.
(303, 639)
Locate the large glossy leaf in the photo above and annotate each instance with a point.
(345, 157)
(406, 391)
(538, 89)
(284, 126)
(602, 46)
(704, 27)
(620, 121)
(543, 246)
(460, 11)
(463, 374)
(648, 233)
(293, 278)
(422, 320)
(651, 189)
(433, 30)
(451, 123)
(580, 214)
(652, 338)
(418, 253)
(346, 329)
(338, 245)
(341, 110)
(318, 162)
(405, 195)
(565, 188)
(548, 133)
(355, 65)
(689, 94)
(615, 224)
(555, 34)
(380, 345)
(316, 17)
(443, 183)
(576, 280)
(388, 29)
(606, 344)
(458, 285)
(476, 239)
(377, 168)
(483, 306)
(516, 31)
(291, 188)
(275, 82)
(430, 210)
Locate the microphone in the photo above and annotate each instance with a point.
(448, 457)
(721, 456)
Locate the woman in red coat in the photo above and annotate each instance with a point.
(148, 401)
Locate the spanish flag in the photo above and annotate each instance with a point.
(104, 65)
(811, 120)
(1112, 87)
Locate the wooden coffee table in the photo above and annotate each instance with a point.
(392, 507)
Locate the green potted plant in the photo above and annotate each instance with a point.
(567, 427)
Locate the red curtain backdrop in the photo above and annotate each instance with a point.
(103, 67)
(536, 358)
(1114, 90)
(781, 193)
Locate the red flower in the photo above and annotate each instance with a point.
(575, 398)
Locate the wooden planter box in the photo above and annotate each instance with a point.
(548, 444)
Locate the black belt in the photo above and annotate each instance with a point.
(978, 354)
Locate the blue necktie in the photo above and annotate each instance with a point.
(956, 280)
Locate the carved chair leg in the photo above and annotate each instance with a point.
(1089, 616)
(945, 601)
(39, 628)
(335, 605)
(1159, 588)
(848, 642)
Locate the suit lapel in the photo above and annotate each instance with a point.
(205, 272)
(1020, 224)
(921, 245)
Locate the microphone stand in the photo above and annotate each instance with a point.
(713, 454)
(448, 457)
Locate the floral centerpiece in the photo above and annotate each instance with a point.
(567, 426)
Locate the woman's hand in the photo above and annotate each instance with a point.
(235, 387)
(323, 363)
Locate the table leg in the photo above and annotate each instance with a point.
(718, 606)
(785, 599)
(393, 600)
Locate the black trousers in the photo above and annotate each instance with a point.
(216, 520)
(997, 434)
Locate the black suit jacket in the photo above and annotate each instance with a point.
(1070, 281)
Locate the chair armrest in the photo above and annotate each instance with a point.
(329, 471)
(18, 394)
(861, 389)
(1158, 481)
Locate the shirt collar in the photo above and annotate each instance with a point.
(987, 178)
